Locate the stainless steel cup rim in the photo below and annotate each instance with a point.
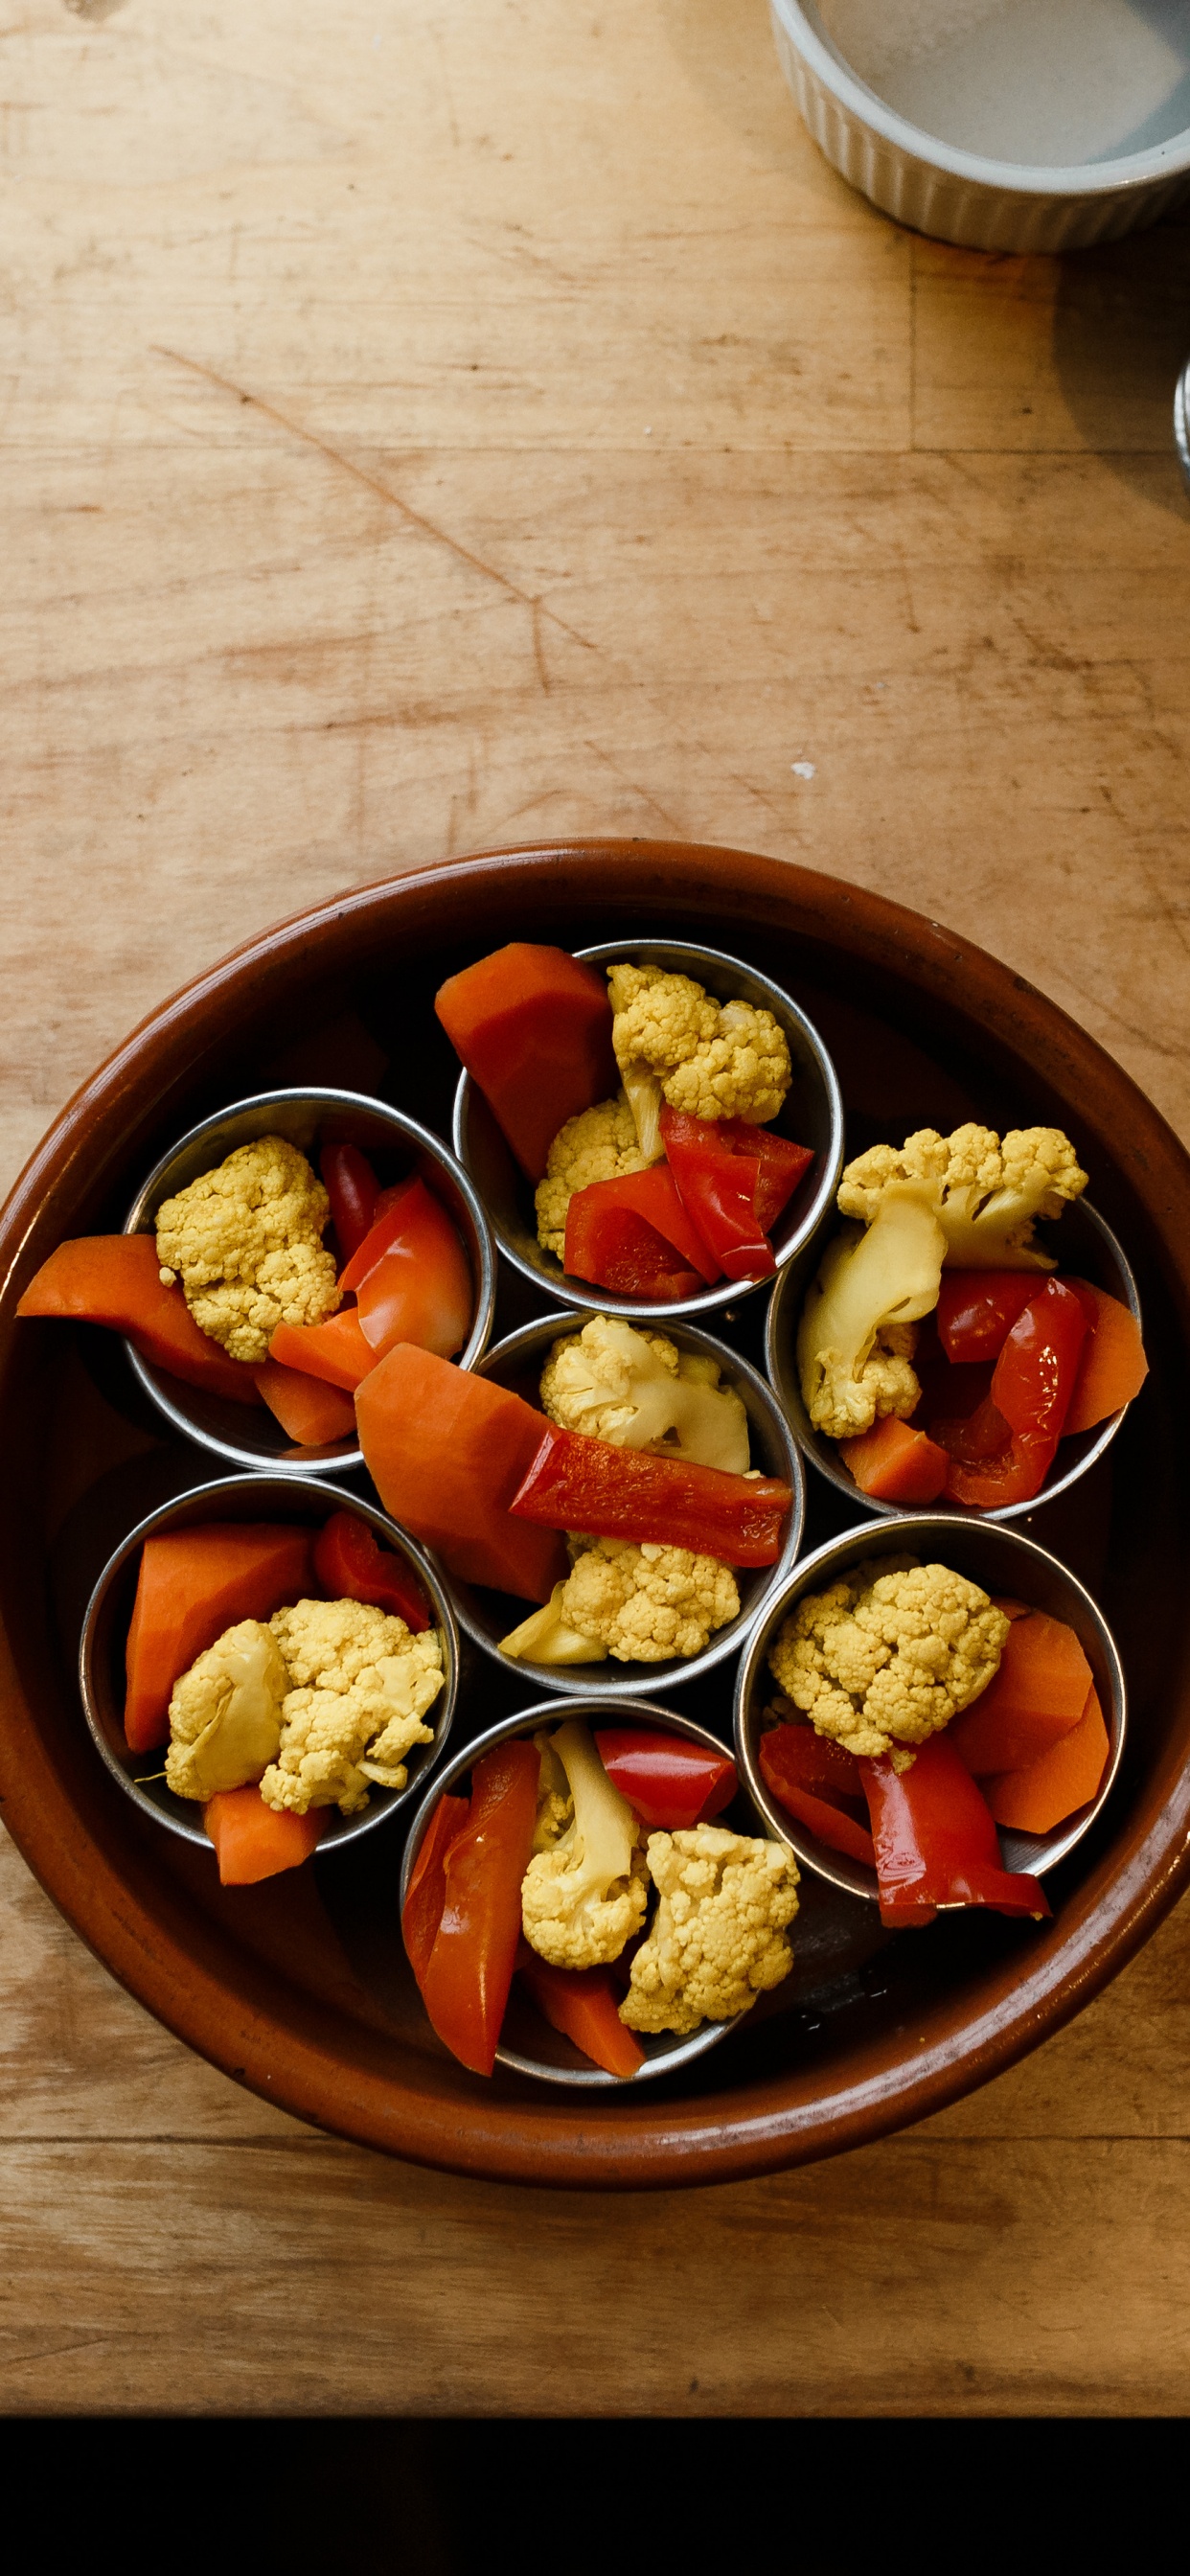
(934, 1536)
(309, 1105)
(620, 1683)
(284, 1490)
(688, 957)
(780, 1334)
(663, 2056)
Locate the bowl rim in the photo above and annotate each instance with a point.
(543, 1713)
(317, 1493)
(1032, 1853)
(726, 1292)
(340, 1457)
(1085, 179)
(821, 1453)
(671, 1675)
(187, 1969)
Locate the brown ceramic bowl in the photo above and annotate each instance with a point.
(310, 2003)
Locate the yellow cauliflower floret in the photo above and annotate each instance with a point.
(584, 1892)
(638, 1391)
(986, 1193)
(888, 1655)
(710, 1059)
(718, 1939)
(644, 1602)
(225, 1713)
(246, 1242)
(597, 1145)
(364, 1684)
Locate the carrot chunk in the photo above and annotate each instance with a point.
(310, 1411)
(1038, 1695)
(896, 1464)
(1114, 1367)
(447, 1451)
(115, 1279)
(534, 1028)
(335, 1350)
(192, 1585)
(253, 1841)
(1063, 1779)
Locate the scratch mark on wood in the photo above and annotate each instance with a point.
(371, 483)
(644, 793)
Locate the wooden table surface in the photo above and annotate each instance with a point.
(435, 422)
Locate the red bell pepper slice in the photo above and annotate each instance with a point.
(819, 1783)
(582, 2003)
(733, 1180)
(1032, 1386)
(576, 1483)
(469, 1972)
(425, 1896)
(936, 1841)
(670, 1783)
(412, 1277)
(351, 1565)
(895, 1464)
(977, 1309)
(610, 1227)
(974, 1437)
(353, 1189)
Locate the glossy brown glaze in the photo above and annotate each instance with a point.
(284, 1992)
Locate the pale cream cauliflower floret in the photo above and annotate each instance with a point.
(246, 1242)
(645, 1602)
(636, 1390)
(965, 1199)
(674, 1042)
(886, 1656)
(598, 1144)
(225, 1713)
(363, 1685)
(584, 1892)
(718, 1939)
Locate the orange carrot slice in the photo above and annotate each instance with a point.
(1065, 1778)
(447, 1451)
(1114, 1367)
(583, 2004)
(193, 1584)
(895, 1464)
(335, 1351)
(115, 1279)
(308, 1410)
(1038, 1694)
(254, 1841)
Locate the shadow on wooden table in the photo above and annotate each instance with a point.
(1121, 336)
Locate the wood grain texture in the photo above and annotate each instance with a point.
(440, 421)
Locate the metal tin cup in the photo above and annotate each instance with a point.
(1089, 1250)
(812, 1114)
(1006, 1564)
(249, 1435)
(529, 2044)
(276, 1497)
(488, 1616)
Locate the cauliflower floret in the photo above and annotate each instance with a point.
(364, 1685)
(584, 1895)
(598, 1145)
(888, 1655)
(548, 1636)
(986, 1194)
(246, 1242)
(225, 1713)
(964, 1199)
(645, 1602)
(718, 1938)
(673, 1042)
(555, 1806)
(639, 1392)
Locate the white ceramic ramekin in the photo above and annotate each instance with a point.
(957, 195)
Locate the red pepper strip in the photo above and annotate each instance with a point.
(716, 1167)
(976, 1436)
(576, 1483)
(352, 1188)
(782, 1166)
(603, 1227)
(469, 1972)
(977, 1308)
(419, 1288)
(1032, 1386)
(582, 2003)
(351, 1565)
(936, 1840)
(671, 1784)
(797, 1765)
(379, 1235)
(426, 1893)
